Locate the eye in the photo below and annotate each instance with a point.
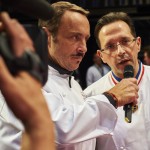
(76, 37)
(110, 47)
(125, 42)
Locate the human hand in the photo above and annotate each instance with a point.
(23, 95)
(17, 49)
(126, 91)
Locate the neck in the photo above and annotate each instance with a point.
(58, 67)
(137, 69)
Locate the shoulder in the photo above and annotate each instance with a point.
(147, 68)
(147, 71)
(98, 86)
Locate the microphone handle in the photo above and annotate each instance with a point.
(128, 112)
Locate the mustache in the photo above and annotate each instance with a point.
(79, 54)
(123, 58)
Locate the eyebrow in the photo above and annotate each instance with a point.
(113, 40)
(78, 33)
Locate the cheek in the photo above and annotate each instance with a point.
(61, 49)
(136, 49)
(111, 64)
(66, 48)
(134, 53)
(106, 59)
(111, 61)
(103, 57)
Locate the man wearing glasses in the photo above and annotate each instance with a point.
(119, 47)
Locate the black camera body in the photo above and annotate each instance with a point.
(39, 37)
(36, 63)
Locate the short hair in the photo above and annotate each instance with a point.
(110, 18)
(146, 49)
(60, 8)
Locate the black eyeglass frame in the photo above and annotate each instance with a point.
(116, 45)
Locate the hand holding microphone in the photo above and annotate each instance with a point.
(126, 92)
(128, 73)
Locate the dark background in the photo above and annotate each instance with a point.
(138, 10)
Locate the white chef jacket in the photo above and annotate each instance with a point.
(127, 136)
(10, 136)
(10, 128)
(5, 146)
(78, 120)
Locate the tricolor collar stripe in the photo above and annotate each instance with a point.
(139, 75)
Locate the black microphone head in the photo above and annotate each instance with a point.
(128, 71)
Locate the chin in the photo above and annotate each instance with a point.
(72, 68)
(119, 68)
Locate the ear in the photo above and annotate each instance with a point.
(48, 35)
(99, 53)
(139, 43)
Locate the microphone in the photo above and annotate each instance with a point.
(36, 8)
(128, 73)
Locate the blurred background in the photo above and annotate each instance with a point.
(139, 10)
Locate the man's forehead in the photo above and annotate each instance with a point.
(76, 23)
(114, 27)
(114, 31)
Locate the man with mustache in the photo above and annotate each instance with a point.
(78, 120)
(119, 47)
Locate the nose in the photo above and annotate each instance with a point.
(120, 49)
(83, 46)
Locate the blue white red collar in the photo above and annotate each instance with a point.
(139, 75)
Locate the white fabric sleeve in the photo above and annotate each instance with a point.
(76, 123)
(10, 136)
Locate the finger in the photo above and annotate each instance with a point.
(7, 22)
(134, 102)
(7, 80)
(10, 24)
(133, 80)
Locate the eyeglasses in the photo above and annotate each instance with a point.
(112, 48)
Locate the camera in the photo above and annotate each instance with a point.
(39, 37)
(35, 64)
